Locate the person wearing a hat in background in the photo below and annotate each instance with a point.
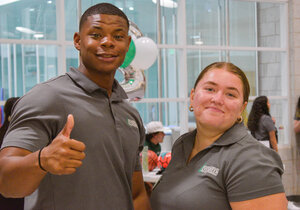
(155, 135)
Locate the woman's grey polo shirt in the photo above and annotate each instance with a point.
(265, 126)
(111, 129)
(234, 168)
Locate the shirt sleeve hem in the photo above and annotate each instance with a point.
(256, 194)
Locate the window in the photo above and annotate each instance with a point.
(190, 34)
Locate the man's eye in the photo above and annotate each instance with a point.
(119, 37)
(95, 35)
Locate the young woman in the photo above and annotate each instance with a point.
(220, 165)
(297, 119)
(261, 124)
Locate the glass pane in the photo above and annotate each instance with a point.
(170, 80)
(168, 21)
(268, 19)
(71, 18)
(242, 22)
(23, 20)
(151, 75)
(270, 74)
(23, 66)
(169, 112)
(246, 60)
(205, 22)
(197, 60)
(143, 13)
(72, 57)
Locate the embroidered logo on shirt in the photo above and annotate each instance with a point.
(132, 123)
(209, 170)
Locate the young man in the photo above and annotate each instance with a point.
(74, 141)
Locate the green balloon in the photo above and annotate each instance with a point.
(129, 55)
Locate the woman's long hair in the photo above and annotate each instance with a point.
(259, 108)
(7, 113)
(298, 109)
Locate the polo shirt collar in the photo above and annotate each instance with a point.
(89, 86)
(231, 136)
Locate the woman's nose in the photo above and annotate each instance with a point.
(218, 97)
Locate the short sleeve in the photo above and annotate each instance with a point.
(268, 123)
(254, 172)
(138, 166)
(36, 119)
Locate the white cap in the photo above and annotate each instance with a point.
(154, 126)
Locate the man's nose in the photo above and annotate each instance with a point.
(107, 41)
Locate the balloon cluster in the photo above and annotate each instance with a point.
(141, 54)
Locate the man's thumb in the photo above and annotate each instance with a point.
(66, 131)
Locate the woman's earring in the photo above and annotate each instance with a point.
(191, 108)
(240, 119)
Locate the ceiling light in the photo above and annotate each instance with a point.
(38, 36)
(131, 8)
(198, 42)
(4, 2)
(166, 3)
(25, 30)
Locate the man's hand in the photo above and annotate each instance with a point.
(63, 155)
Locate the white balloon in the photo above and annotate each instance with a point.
(145, 54)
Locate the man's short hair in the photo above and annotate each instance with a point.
(102, 8)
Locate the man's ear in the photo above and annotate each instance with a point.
(76, 40)
(129, 41)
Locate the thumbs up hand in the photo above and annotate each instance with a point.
(63, 155)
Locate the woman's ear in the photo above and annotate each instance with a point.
(192, 96)
(243, 107)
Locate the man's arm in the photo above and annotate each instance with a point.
(20, 173)
(139, 194)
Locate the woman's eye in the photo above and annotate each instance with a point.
(231, 95)
(209, 89)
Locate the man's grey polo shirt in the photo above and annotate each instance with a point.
(111, 129)
(234, 168)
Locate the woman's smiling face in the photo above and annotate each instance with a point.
(218, 100)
